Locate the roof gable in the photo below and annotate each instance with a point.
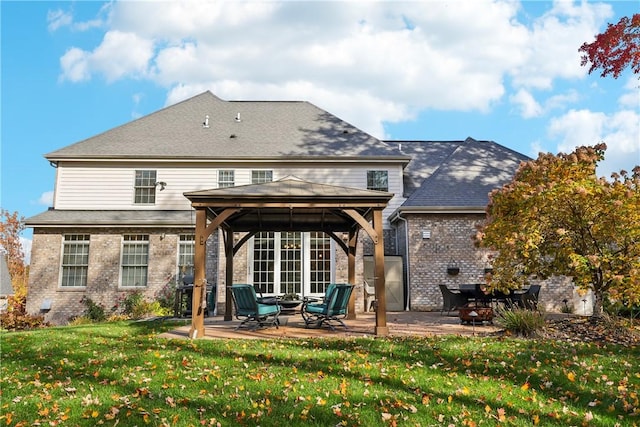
(206, 126)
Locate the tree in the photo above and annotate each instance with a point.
(558, 218)
(10, 228)
(615, 49)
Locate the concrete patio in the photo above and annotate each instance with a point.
(404, 323)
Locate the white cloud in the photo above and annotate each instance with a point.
(368, 62)
(46, 198)
(526, 104)
(552, 44)
(119, 55)
(631, 99)
(75, 65)
(58, 18)
(618, 130)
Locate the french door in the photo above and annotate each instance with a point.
(291, 262)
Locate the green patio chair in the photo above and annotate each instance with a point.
(331, 310)
(248, 309)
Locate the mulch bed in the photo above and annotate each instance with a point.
(581, 329)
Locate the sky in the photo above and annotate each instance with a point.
(502, 70)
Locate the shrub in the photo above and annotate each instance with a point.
(16, 317)
(166, 297)
(93, 311)
(136, 307)
(520, 321)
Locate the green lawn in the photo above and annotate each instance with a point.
(122, 374)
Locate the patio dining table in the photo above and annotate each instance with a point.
(475, 293)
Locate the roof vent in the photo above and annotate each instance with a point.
(233, 135)
(238, 119)
(205, 124)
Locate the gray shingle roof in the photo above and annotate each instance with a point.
(111, 218)
(467, 172)
(264, 129)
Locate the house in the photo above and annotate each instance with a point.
(123, 217)
(6, 288)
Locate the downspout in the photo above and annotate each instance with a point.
(406, 251)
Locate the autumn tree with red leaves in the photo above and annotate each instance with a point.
(615, 49)
(11, 226)
(558, 218)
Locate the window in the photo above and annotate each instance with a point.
(378, 180)
(225, 179)
(186, 251)
(145, 187)
(75, 260)
(259, 177)
(135, 260)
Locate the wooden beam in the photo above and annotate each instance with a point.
(199, 279)
(228, 253)
(364, 224)
(219, 220)
(378, 266)
(351, 271)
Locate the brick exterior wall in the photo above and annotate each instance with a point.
(103, 273)
(451, 245)
(425, 266)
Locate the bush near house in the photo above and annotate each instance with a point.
(16, 317)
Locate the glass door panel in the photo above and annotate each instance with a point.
(290, 262)
(319, 262)
(264, 262)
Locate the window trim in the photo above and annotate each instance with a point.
(130, 239)
(225, 182)
(145, 185)
(262, 179)
(371, 175)
(74, 239)
(184, 240)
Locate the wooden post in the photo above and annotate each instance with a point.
(199, 279)
(378, 266)
(228, 253)
(351, 272)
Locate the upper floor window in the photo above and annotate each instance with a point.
(145, 187)
(226, 178)
(75, 260)
(135, 259)
(378, 180)
(258, 177)
(186, 252)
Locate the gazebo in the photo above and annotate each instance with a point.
(289, 204)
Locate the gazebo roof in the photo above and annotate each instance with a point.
(289, 204)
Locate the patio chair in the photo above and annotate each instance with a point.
(331, 310)
(250, 310)
(451, 300)
(370, 301)
(527, 299)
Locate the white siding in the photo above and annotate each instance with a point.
(99, 187)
